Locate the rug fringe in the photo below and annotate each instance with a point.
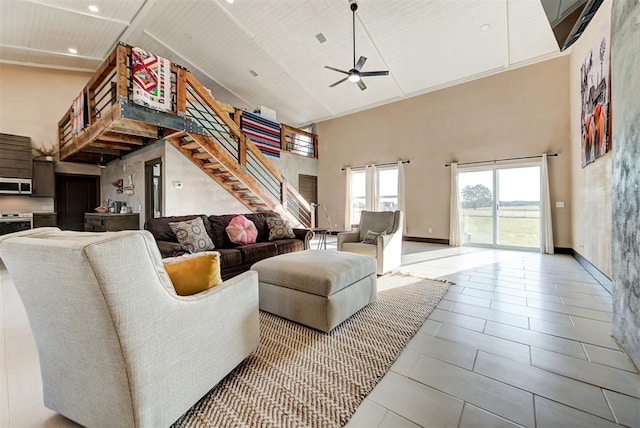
(413, 275)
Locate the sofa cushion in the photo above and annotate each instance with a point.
(160, 229)
(191, 234)
(255, 252)
(289, 245)
(219, 235)
(279, 229)
(193, 273)
(259, 219)
(242, 231)
(360, 248)
(229, 257)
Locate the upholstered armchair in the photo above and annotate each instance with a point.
(117, 345)
(385, 247)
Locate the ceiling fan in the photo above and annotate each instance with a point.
(355, 75)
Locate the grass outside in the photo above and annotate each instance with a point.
(522, 230)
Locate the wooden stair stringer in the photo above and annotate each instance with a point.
(189, 144)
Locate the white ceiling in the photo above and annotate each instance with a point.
(425, 44)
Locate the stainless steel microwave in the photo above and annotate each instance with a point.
(15, 186)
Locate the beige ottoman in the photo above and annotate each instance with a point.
(320, 289)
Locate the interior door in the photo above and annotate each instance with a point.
(76, 195)
(308, 189)
(153, 188)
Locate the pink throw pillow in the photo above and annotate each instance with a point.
(242, 231)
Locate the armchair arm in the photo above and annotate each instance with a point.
(344, 237)
(389, 251)
(305, 235)
(210, 333)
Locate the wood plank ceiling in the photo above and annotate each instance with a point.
(426, 44)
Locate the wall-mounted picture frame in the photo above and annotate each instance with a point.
(595, 89)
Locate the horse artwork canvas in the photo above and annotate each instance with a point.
(595, 88)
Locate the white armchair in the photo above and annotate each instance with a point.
(117, 345)
(388, 247)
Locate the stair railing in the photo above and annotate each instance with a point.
(111, 85)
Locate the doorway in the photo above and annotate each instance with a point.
(153, 188)
(500, 206)
(76, 195)
(308, 188)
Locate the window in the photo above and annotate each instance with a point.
(384, 198)
(387, 193)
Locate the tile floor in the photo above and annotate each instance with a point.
(521, 339)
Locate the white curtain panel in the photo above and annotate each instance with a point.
(371, 188)
(546, 226)
(347, 200)
(401, 198)
(455, 227)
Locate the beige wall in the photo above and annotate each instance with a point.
(291, 166)
(517, 113)
(591, 214)
(32, 100)
(199, 193)
(132, 164)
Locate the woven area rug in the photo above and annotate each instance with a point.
(300, 377)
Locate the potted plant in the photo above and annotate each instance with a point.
(47, 151)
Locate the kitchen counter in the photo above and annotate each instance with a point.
(111, 222)
(45, 219)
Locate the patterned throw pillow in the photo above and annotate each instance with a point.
(279, 229)
(242, 231)
(192, 235)
(371, 237)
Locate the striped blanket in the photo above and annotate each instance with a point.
(264, 133)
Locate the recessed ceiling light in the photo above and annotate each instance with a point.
(73, 51)
(485, 27)
(230, 1)
(94, 8)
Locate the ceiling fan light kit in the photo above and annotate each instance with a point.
(355, 74)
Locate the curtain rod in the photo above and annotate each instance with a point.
(498, 160)
(378, 164)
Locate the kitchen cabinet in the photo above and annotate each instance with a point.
(44, 179)
(15, 156)
(45, 219)
(110, 222)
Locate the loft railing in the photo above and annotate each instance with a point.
(298, 141)
(111, 85)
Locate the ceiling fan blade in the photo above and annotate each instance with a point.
(338, 82)
(361, 85)
(374, 73)
(360, 63)
(336, 69)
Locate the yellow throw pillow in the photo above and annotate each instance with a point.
(193, 273)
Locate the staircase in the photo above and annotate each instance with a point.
(199, 126)
(204, 152)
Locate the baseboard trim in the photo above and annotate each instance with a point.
(563, 250)
(596, 273)
(427, 240)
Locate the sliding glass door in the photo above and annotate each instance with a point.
(500, 206)
(476, 207)
(518, 207)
